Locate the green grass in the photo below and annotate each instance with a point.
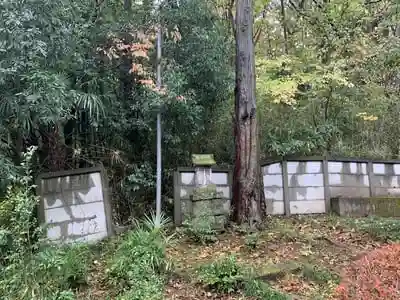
(384, 229)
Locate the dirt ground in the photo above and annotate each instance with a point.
(324, 244)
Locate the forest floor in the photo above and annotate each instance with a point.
(302, 257)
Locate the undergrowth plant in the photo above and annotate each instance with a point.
(18, 225)
(139, 265)
(260, 290)
(228, 276)
(252, 240)
(27, 270)
(319, 274)
(201, 229)
(224, 275)
(385, 229)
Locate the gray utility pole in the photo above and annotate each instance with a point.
(159, 161)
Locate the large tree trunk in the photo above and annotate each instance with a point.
(248, 203)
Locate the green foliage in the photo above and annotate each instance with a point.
(385, 229)
(262, 291)
(252, 240)
(51, 273)
(139, 264)
(18, 225)
(319, 274)
(27, 270)
(225, 275)
(151, 289)
(61, 89)
(200, 229)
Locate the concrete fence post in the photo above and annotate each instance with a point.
(285, 181)
(327, 193)
(370, 171)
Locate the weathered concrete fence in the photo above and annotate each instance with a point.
(74, 205)
(303, 185)
(306, 185)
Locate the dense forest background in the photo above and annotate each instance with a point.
(77, 81)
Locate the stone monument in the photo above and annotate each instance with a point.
(206, 200)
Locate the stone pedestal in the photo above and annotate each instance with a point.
(207, 202)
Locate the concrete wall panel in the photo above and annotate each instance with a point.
(273, 180)
(386, 191)
(219, 178)
(304, 167)
(347, 167)
(343, 191)
(303, 180)
(275, 194)
(74, 205)
(275, 168)
(187, 178)
(348, 180)
(278, 208)
(307, 207)
(306, 193)
(387, 181)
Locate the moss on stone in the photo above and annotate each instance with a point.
(203, 159)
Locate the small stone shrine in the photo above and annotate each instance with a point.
(206, 200)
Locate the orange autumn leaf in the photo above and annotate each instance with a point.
(140, 53)
(137, 68)
(148, 82)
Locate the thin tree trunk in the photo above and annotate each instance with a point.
(248, 204)
(285, 35)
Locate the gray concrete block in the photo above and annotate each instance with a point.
(307, 207)
(304, 167)
(360, 207)
(275, 168)
(306, 193)
(305, 180)
(273, 180)
(355, 180)
(276, 194)
(337, 191)
(386, 181)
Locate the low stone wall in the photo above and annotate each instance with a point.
(362, 207)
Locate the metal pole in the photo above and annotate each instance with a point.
(159, 165)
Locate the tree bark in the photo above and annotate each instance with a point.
(248, 203)
(284, 24)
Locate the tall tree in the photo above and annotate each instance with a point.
(248, 204)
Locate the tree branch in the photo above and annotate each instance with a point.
(257, 35)
(231, 18)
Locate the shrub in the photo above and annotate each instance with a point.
(262, 291)
(375, 276)
(26, 271)
(142, 254)
(139, 264)
(18, 226)
(49, 274)
(223, 276)
(200, 229)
